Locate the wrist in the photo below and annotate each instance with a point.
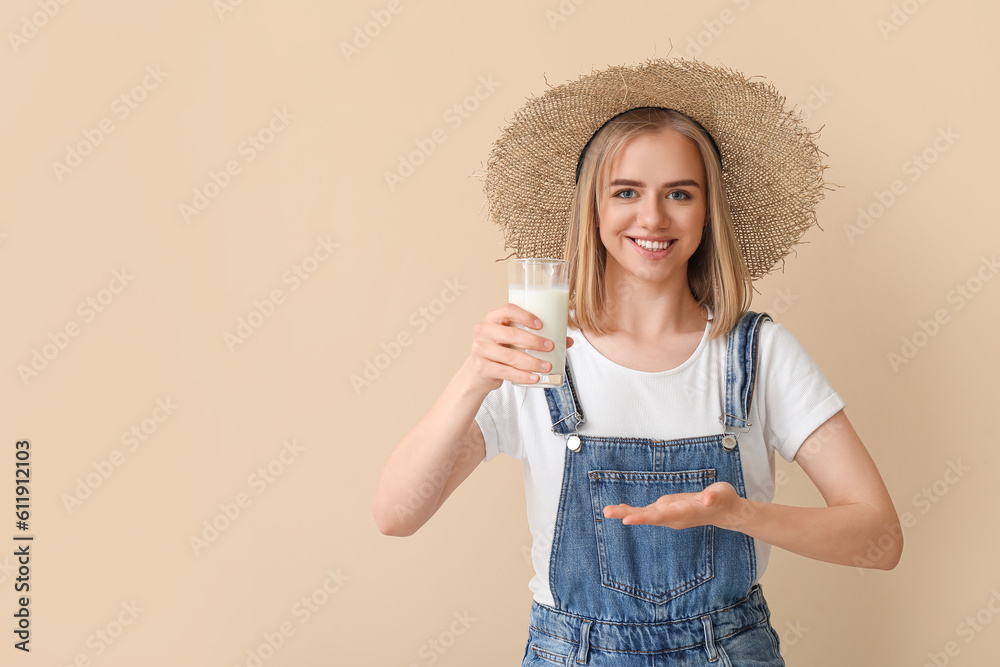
(740, 515)
(468, 383)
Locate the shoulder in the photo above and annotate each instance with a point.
(782, 354)
(773, 344)
(777, 336)
(769, 331)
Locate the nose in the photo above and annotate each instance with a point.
(653, 213)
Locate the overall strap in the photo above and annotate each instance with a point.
(741, 372)
(564, 406)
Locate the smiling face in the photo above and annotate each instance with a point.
(652, 208)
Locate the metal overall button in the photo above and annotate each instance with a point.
(729, 440)
(573, 443)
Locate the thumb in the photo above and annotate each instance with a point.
(709, 497)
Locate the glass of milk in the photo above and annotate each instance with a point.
(541, 287)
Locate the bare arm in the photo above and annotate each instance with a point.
(446, 445)
(438, 453)
(858, 527)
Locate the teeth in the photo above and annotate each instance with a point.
(652, 245)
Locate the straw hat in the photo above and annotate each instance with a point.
(772, 168)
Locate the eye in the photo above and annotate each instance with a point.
(681, 195)
(626, 194)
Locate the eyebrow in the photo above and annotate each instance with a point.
(640, 184)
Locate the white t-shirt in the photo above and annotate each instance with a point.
(791, 399)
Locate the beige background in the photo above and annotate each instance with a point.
(889, 81)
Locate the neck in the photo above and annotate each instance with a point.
(646, 310)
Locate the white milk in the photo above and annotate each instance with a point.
(549, 304)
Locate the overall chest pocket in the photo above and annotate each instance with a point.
(654, 563)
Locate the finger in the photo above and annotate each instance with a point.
(505, 334)
(640, 518)
(707, 498)
(674, 516)
(569, 342)
(515, 358)
(651, 515)
(516, 316)
(511, 313)
(499, 344)
(502, 371)
(713, 494)
(618, 511)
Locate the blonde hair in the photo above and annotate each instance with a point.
(717, 273)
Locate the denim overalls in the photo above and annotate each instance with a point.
(651, 595)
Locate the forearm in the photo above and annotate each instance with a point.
(858, 527)
(417, 472)
(855, 534)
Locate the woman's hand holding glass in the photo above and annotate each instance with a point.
(494, 357)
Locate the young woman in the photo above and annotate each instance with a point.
(649, 472)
